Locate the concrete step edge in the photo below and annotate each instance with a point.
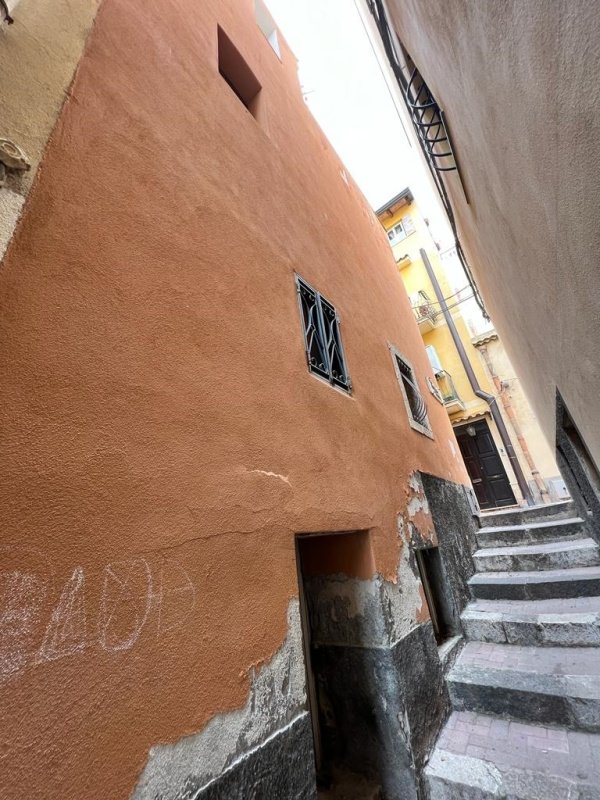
(538, 548)
(532, 526)
(537, 576)
(451, 776)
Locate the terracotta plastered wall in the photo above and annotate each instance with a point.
(163, 441)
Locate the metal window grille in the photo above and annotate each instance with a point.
(417, 406)
(322, 339)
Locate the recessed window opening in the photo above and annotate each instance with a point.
(322, 337)
(236, 72)
(432, 578)
(266, 23)
(413, 399)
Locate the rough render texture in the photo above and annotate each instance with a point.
(525, 143)
(275, 713)
(163, 441)
(382, 696)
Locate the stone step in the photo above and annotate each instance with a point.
(478, 757)
(549, 623)
(529, 557)
(531, 532)
(521, 516)
(575, 582)
(543, 685)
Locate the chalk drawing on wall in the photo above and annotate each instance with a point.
(66, 633)
(177, 597)
(126, 601)
(21, 598)
(39, 626)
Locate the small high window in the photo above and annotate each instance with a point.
(322, 339)
(234, 69)
(415, 405)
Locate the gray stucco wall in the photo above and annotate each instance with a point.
(520, 87)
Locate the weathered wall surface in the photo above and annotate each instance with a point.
(38, 56)
(163, 441)
(507, 78)
(382, 696)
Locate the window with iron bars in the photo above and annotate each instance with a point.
(413, 399)
(322, 339)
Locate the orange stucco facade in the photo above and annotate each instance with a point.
(163, 441)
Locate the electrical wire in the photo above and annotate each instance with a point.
(450, 296)
(437, 311)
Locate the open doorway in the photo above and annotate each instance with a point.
(334, 571)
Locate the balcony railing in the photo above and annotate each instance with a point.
(425, 311)
(447, 388)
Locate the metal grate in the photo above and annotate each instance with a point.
(321, 324)
(429, 123)
(417, 406)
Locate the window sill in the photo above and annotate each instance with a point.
(421, 429)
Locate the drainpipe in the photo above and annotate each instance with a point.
(477, 390)
(510, 413)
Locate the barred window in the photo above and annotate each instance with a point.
(321, 325)
(415, 404)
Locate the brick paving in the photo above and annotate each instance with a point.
(510, 744)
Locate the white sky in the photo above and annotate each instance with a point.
(347, 93)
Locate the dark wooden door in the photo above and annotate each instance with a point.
(484, 466)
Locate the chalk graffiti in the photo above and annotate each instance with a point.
(22, 596)
(126, 601)
(66, 631)
(177, 597)
(132, 592)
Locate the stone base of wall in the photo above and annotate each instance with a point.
(381, 709)
(281, 768)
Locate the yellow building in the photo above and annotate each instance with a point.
(505, 452)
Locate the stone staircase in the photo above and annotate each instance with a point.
(525, 689)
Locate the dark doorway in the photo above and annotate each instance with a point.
(360, 747)
(431, 572)
(484, 465)
(578, 468)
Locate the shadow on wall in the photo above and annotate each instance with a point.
(578, 468)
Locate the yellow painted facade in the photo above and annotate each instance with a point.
(409, 235)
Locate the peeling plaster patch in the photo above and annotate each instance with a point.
(418, 502)
(283, 478)
(277, 696)
(410, 603)
(11, 205)
(373, 613)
